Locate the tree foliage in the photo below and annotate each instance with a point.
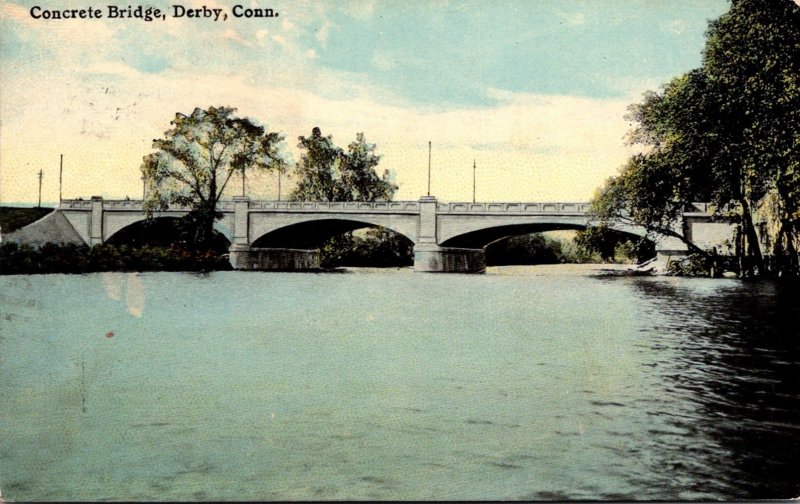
(611, 244)
(328, 173)
(727, 132)
(532, 248)
(197, 158)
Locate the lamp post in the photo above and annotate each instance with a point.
(41, 174)
(473, 181)
(429, 168)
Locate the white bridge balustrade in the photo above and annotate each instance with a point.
(446, 236)
(522, 208)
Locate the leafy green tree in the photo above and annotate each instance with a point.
(317, 169)
(359, 178)
(752, 56)
(197, 158)
(654, 188)
(327, 173)
(727, 132)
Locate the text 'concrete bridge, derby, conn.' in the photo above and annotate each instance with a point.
(447, 237)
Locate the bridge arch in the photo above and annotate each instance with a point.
(120, 228)
(483, 232)
(312, 232)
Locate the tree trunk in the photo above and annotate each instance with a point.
(753, 245)
(792, 268)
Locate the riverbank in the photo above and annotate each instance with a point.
(571, 269)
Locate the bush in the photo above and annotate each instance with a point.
(70, 258)
(526, 249)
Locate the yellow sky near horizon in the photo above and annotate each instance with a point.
(528, 148)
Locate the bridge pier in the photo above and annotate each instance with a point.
(433, 258)
(96, 221)
(245, 257)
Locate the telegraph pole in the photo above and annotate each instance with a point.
(279, 184)
(473, 181)
(60, 179)
(41, 174)
(144, 187)
(429, 168)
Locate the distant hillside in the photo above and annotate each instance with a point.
(13, 218)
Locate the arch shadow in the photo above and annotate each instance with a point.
(482, 238)
(159, 232)
(313, 234)
(488, 238)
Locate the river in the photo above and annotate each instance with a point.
(523, 383)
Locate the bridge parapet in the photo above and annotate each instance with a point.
(125, 205)
(515, 208)
(337, 206)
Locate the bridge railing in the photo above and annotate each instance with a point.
(580, 208)
(337, 206)
(121, 204)
(77, 203)
(354, 206)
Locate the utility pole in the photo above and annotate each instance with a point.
(60, 179)
(41, 174)
(429, 168)
(473, 181)
(279, 184)
(144, 187)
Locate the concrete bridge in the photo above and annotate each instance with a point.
(447, 237)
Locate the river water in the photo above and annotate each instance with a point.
(522, 383)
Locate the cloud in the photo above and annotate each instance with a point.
(230, 34)
(359, 9)
(16, 13)
(324, 32)
(95, 104)
(527, 146)
(383, 61)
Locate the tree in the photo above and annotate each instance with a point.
(655, 187)
(752, 56)
(317, 169)
(610, 244)
(727, 132)
(327, 173)
(197, 158)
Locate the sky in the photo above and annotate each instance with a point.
(533, 92)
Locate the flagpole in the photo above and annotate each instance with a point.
(473, 181)
(41, 174)
(429, 168)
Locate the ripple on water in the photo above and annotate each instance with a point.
(465, 387)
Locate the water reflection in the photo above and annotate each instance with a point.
(728, 355)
